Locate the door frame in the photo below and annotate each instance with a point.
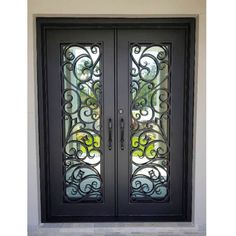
(186, 24)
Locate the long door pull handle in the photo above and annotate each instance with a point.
(110, 134)
(122, 125)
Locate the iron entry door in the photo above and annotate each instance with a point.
(115, 119)
(150, 79)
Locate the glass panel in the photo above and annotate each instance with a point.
(149, 105)
(82, 111)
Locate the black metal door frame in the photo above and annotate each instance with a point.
(185, 24)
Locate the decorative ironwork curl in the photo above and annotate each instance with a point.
(150, 107)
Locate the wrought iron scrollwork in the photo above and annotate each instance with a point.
(81, 112)
(150, 107)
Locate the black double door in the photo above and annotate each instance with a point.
(114, 121)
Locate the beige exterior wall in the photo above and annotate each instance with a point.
(119, 8)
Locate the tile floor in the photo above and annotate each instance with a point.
(117, 229)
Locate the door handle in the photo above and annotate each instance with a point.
(122, 125)
(109, 134)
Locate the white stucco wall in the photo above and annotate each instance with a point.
(119, 8)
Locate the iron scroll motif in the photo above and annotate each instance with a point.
(150, 108)
(81, 70)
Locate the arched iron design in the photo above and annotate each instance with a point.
(149, 109)
(81, 70)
